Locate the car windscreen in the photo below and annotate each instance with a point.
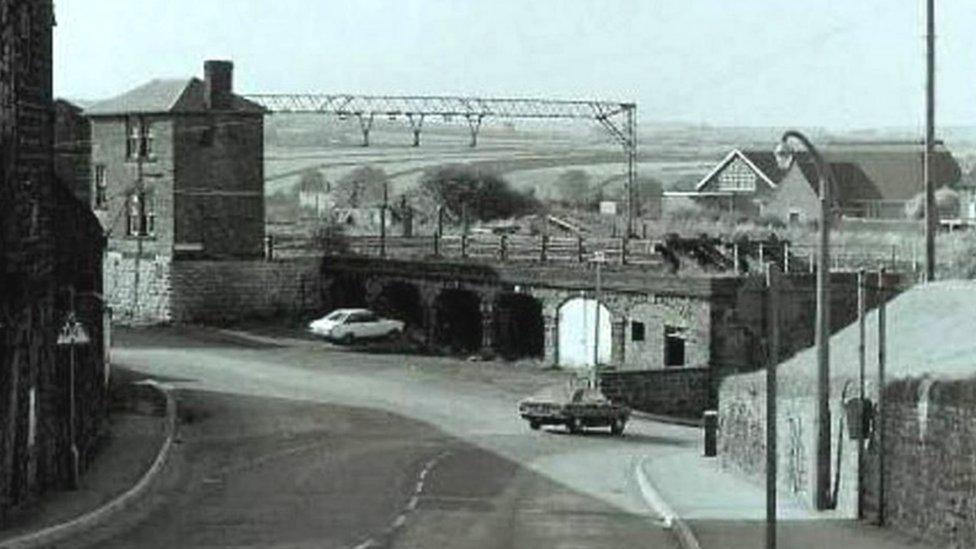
(336, 315)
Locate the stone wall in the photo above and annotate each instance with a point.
(930, 461)
(138, 288)
(223, 291)
(158, 290)
(742, 395)
(679, 392)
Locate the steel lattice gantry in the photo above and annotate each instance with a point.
(619, 119)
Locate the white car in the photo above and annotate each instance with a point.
(348, 325)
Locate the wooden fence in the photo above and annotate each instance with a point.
(500, 248)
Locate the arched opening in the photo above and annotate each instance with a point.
(402, 301)
(346, 291)
(579, 337)
(458, 320)
(519, 328)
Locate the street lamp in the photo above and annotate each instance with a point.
(785, 157)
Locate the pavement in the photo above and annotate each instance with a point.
(136, 431)
(724, 509)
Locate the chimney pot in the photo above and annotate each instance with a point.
(219, 84)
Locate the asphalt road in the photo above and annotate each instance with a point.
(301, 444)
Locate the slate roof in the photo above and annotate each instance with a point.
(185, 95)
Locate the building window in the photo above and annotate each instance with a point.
(637, 331)
(141, 215)
(101, 186)
(139, 139)
(207, 137)
(794, 217)
(674, 347)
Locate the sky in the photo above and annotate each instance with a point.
(837, 64)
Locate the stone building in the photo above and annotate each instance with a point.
(178, 175)
(50, 272)
(72, 149)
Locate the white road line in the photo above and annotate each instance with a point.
(400, 521)
(367, 544)
(656, 502)
(412, 504)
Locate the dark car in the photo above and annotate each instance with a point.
(576, 408)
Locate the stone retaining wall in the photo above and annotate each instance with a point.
(221, 291)
(679, 392)
(930, 461)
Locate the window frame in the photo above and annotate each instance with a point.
(100, 174)
(638, 327)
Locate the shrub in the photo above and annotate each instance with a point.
(484, 194)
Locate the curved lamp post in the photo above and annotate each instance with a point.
(785, 157)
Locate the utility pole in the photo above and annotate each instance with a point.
(861, 360)
(772, 360)
(599, 258)
(931, 223)
(386, 199)
(882, 342)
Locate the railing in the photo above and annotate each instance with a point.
(895, 258)
(498, 248)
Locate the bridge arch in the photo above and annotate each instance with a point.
(403, 301)
(345, 291)
(519, 329)
(458, 320)
(579, 336)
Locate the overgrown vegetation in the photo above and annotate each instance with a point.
(481, 195)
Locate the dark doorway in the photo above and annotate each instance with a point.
(401, 300)
(346, 292)
(674, 347)
(519, 328)
(458, 320)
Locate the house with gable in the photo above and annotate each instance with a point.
(874, 180)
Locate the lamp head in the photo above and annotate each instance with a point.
(784, 155)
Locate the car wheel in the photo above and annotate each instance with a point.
(393, 334)
(348, 339)
(575, 425)
(534, 425)
(617, 427)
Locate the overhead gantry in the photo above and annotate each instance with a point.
(619, 119)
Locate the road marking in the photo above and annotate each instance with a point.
(401, 520)
(656, 502)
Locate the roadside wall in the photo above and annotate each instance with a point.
(223, 291)
(138, 288)
(930, 461)
(742, 435)
(680, 392)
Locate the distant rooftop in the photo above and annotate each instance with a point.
(180, 95)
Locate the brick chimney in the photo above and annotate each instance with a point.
(219, 84)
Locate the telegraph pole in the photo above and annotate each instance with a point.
(931, 223)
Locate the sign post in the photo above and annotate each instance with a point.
(72, 334)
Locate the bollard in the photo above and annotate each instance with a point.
(711, 433)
